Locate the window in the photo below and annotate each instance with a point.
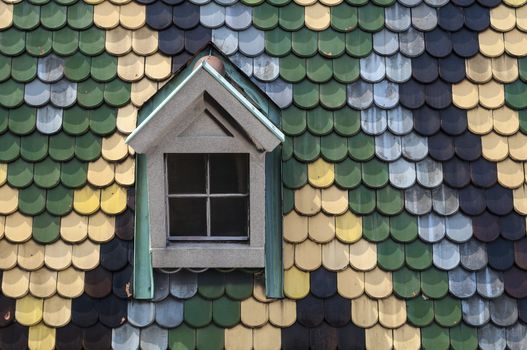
(209, 160)
(208, 197)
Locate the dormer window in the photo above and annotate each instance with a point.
(206, 145)
(208, 197)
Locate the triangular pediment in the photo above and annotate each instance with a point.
(206, 125)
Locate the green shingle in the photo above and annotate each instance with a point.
(47, 173)
(418, 255)
(117, 93)
(406, 283)
(331, 43)
(294, 121)
(32, 200)
(346, 121)
(332, 94)
(104, 67)
(12, 42)
(287, 148)
(463, 337)
(390, 255)
(334, 147)
(265, 16)
(61, 147)
(291, 17)
(24, 68)
(304, 42)
(53, 16)
(77, 67)
(211, 284)
(420, 311)
(90, 93)
(306, 94)
(346, 69)
(516, 95)
(375, 173)
(34, 147)
(22, 120)
(11, 93)
(210, 337)
(390, 201)
(319, 121)
(447, 311)
(434, 283)
(72, 124)
(435, 337)
(91, 41)
(197, 311)
(4, 120)
(294, 173)
(26, 16)
(46, 228)
(38, 42)
(288, 200)
(343, 17)
(361, 147)
(239, 285)
(361, 200)
(277, 42)
(292, 68)
(348, 173)
(87, 147)
(306, 147)
(182, 338)
(20, 173)
(102, 120)
(5, 68)
(73, 173)
(319, 69)
(359, 43)
(403, 227)
(371, 17)
(375, 227)
(65, 41)
(226, 312)
(59, 200)
(80, 15)
(9, 147)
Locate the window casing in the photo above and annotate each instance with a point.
(207, 197)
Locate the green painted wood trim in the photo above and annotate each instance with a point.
(143, 273)
(274, 271)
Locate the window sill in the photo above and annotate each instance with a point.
(208, 255)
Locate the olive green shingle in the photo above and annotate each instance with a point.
(46, 228)
(406, 283)
(434, 283)
(361, 200)
(306, 147)
(294, 173)
(375, 227)
(348, 173)
(32, 200)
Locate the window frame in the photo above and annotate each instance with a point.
(208, 196)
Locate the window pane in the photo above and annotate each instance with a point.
(188, 216)
(228, 216)
(229, 173)
(186, 173)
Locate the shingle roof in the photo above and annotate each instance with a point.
(404, 173)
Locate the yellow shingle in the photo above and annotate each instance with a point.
(43, 283)
(350, 283)
(321, 228)
(118, 41)
(132, 15)
(317, 17)
(392, 312)
(502, 18)
(239, 338)
(6, 15)
(30, 255)
(101, 227)
(113, 199)
(379, 338)
(18, 227)
(480, 120)
(131, 67)
(144, 41)
(363, 255)
(8, 254)
(267, 338)
(506, 121)
(364, 311)
(15, 283)
(308, 255)
(57, 311)
(41, 337)
(70, 283)
(494, 147)
(73, 227)
(85, 255)
(406, 338)
(378, 283)
(491, 43)
(491, 95)
(296, 283)
(8, 199)
(254, 313)
(295, 227)
(510, 173)
(348, 227)
(106, 15)
(334, 200)
(282, 313)
(28, 310)
(479, 69)
(515, 43)
(86, 200)
(321, 173)
(465, 95)
(100, 173)
(308, 200)
(335, 255)
(158, 66)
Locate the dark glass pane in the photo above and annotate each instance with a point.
(188, 216)
(187, 173)
(228, 216)
(229, 173)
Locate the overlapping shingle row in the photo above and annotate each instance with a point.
(403, 171)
